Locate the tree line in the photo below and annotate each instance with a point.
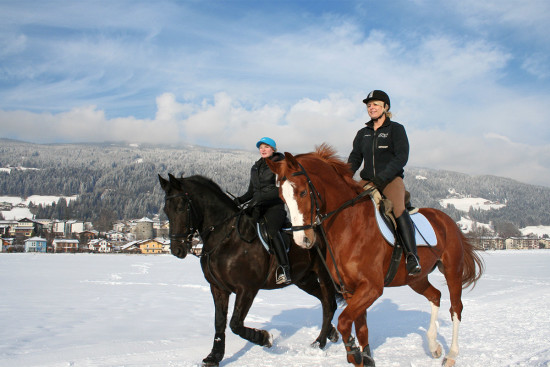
(117, 181)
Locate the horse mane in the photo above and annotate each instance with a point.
(327, 153)
(205, 182)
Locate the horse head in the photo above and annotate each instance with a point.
(300, 200)
(305, 182)
(181, 214)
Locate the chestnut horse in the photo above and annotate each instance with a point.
(233, 260)
(319, 191)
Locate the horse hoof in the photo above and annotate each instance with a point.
(334, 336)
(437, 353)
(355, 357)
(448, 362)
(268, 341)
(318, 344)
(209, 363)
(368, 361)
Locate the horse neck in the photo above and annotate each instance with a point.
(215, 214)
(336, 192)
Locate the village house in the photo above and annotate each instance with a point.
(115, 236)
(36, 244)
(65, 245)
(131, 247)
(25, 228)
(100, 245)
(88, 235)
(155, 246)
(491, 243)
(523, 243)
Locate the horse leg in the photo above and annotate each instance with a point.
(355, 311)
(362, 332)
(243, 302)
(323, 290)
(425, 288)
(221, 301)
(455, 293)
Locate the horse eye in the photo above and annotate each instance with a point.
(303, 193)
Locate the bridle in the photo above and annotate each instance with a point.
(316, 222)
(192, 227)
(316, 216)
(185, 238)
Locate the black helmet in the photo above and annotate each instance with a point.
(378, 95)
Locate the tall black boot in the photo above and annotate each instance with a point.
(283, 271)
(405, 228)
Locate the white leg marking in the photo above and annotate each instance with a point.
(296, 217)
(453, 352)
(434, 346)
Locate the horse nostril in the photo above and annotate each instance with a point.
(306, 240)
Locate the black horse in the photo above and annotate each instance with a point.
(233, 259)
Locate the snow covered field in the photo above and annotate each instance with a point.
(137, 310)
(20, 213)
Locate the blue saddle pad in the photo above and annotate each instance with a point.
(424, 232)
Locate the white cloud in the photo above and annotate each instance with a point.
(491, 154)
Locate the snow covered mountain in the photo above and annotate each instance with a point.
(110, 178)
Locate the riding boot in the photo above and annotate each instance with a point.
(283, 270)
(405, 230)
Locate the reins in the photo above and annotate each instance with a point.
(207, 231)
(317, 219)
(191, 229)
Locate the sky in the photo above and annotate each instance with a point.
(469, 80)
(99, 310)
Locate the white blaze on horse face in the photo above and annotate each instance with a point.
(296, 217)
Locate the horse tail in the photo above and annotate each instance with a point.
(474, 266)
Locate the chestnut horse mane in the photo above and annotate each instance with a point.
(327, 153)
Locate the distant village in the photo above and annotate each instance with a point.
(150, 236)
(141, 236)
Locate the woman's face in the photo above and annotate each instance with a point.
(375, 109)
(266, 151)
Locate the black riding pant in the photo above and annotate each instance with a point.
(275, 217)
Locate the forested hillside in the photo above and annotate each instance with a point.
(119, 181)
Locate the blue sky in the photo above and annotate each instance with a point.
(469, 80)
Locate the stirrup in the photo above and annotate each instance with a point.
(412, 264)
(282, 278)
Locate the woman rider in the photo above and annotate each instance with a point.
(383, 147)
(263, 197)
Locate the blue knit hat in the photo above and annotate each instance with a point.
(268, 141)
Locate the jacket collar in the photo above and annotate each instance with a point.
(370, 124)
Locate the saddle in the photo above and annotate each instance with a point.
(261, 229)
(424, 232)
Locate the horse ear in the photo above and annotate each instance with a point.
(163, 183)
(275, 167)
(174, 181)
(291, 162)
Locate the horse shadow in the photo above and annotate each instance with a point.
(384, 318)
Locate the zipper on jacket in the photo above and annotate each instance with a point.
(374, 141)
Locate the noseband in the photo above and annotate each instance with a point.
(316, 218)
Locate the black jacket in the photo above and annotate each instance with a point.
(262, 189)
(385, 152)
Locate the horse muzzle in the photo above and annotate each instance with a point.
(179, 248)
(305, 238)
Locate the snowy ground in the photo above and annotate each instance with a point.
(20, 213)
(136, 310)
